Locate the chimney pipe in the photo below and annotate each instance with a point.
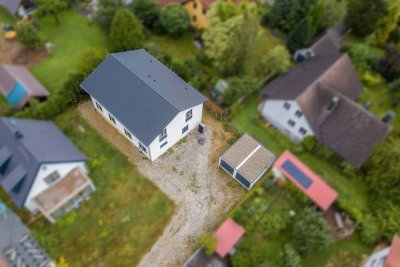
(332, 105)
(388, 117)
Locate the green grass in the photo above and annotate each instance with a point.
(122, 219)
(181, 47)
(71, 39)
(5, 17)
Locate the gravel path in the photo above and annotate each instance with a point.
(202, 193)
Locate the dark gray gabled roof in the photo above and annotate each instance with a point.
(24, 146)
(10, 5)
(17, 246)
(140, 92)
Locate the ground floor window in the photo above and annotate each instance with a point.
(98, 106)
(111, 118)
(142, 148)
(184, 130)
(303, 131)
(127, 133)
(164, 144)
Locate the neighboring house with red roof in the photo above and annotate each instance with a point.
(388, 257)
(197, 10)
(227, 236)
(305, 179)
(317, 98)
(18, 85)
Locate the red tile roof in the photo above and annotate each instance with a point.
(393, 258)
(320, 192)
(227, 236)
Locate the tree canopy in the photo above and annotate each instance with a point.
(239, 87)
(106, 12)
(51, 7)
(126, 31)
(387, 23)
(174, 19)
(232, 41)
(300, 37)
(146, 11)
(276, 61)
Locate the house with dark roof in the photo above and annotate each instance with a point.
(317, 98)
(17, 246)
(18, 85)
(40, 169)
(21, 8)
(145, 101)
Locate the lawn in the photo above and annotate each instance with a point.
(181, 47)
(71, 39)
(5, 17)
(122, 219)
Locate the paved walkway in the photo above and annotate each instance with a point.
(202, 193)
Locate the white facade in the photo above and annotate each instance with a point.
(378, 259)
(287, 117)
(174, 130)
(40, 184)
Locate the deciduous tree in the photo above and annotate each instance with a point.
(174, 19)
(277, 61)
(106, 12)
(300, 36)
(126, 31)
(146, 11)
(388, 23)
(51, 7)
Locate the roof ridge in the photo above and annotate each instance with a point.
(169, 103)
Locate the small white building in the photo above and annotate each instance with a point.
(40, 169)
(145, 101)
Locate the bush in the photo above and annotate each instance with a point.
(289, 257)
(311, 232)
(146, 11)
(156, 51)
(310, 144)
(209, 243)
(362, 55)
(202, 57)
(174, 19)
(29, 36)
(126, 31)
(240, 87)
(274, 222)
(180, 68)
(370, 232)
(106, 12)
(371, 79)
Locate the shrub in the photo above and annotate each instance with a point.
(180, 68)
(146, 11)
(209, 243)
(174, 19)
(370, 232)
(240, 87)
(311, 232)
(309, 143)
(362, 55)
(371, 79)
(29, 36)
(274, 222)
(106, 12)
(156, 51)
(289, 257)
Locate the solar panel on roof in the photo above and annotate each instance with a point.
(297, 174)
(226, 166)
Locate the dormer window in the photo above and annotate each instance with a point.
(163, 134)
(99, 107)
(52, 177)
(286, 105)
(189, 115)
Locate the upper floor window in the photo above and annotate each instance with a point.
(189, 115)
(291, 122)
(298, 113)
(194, 5)
(286, 105)
(303, 131)
(127, 133)
(99, 107)
(111, 118)
(52, 177)
(163, 134)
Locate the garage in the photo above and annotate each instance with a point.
(246, 161)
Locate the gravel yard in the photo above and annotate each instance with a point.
(190, 176)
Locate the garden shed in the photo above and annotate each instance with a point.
(246, 161)
(287, 165)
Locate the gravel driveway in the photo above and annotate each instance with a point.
(202, 193)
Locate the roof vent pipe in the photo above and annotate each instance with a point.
(18, 134)
(332, 105)
(388, 117)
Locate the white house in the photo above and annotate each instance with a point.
(40, 169)
(145, 101)
(317, 98)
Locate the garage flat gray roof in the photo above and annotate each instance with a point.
(249, 158)
(140, 92)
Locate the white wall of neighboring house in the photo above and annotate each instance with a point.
(174, 130)
(40, 185)
(275, 113)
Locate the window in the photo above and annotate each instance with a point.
(291, 123)
(99, 107)
(286, 105)
(189, 115)
(298, 113)
(111, 118)
(127, 133)
(163, 134)
(142, 148)
(184, 130)
(194, 5)
(52, 177)
(194, 18)
(303, 131)
(163, 144)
